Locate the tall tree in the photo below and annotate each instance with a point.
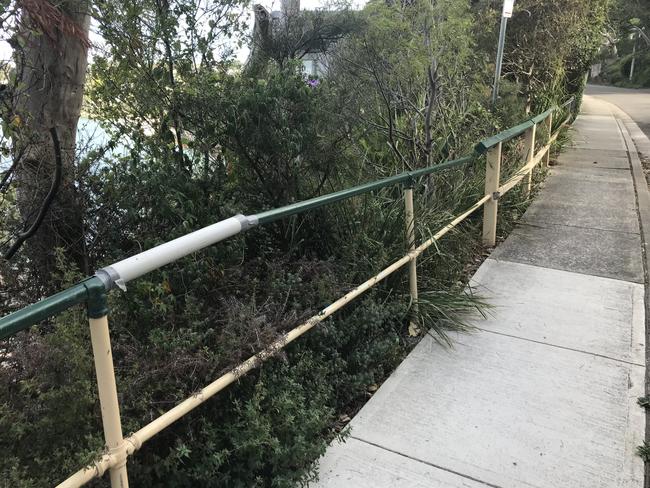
(51, 55)
(405, 77)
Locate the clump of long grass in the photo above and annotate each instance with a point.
(440, 313)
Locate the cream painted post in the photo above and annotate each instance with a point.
(492, 178)
(529, 154)
(413, 273)
(101, 343)
(549, 127)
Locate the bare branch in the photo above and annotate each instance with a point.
(432, 74)
(47, 202)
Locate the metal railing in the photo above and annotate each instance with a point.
(93, 291)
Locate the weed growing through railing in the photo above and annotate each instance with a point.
(441, 313)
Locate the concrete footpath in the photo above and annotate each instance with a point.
(544, 393)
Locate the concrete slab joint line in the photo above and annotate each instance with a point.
(543, 393)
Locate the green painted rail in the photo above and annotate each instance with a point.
(406, 177)
(92, 290)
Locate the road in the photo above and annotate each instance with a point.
(636, 103)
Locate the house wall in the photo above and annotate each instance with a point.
(315, 64)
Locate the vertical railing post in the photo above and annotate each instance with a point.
(413, 273)
(529, 154)
(101, 343)
(549, 127)
(490, 210)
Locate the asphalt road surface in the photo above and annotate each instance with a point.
(636, 103)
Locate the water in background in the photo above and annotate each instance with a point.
(90, 137)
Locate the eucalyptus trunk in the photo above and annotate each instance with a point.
(50, 71)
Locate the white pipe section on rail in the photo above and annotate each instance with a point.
(130, 268)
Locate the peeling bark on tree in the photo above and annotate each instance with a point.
(51, 71)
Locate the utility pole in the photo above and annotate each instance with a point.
(508, 5)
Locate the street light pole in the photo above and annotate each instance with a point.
(636, 37)
(639, 35)
(507, 13)
(642, 34)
